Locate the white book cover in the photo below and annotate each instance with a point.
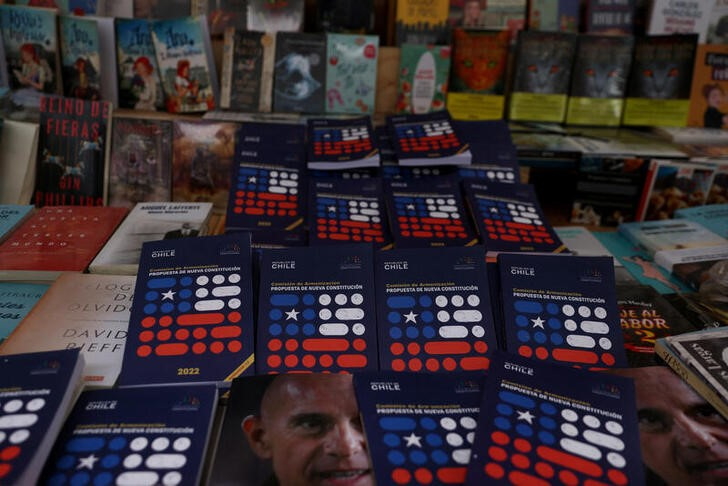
(149, 221)
(18, 148)
(667, 259)
(581, 242)
(673, 17)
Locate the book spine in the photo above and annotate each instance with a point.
(267, 68)
(227, 67)
(646, 191)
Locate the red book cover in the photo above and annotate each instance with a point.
(60, 238)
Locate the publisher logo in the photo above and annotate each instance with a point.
(523, 271)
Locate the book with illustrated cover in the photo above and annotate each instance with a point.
(699, 268)
(222, 14)
(351, 73)
(609, 17)
(88, 312)
(423, 78)
(139, 80)
(427, 139)
(149, 221)
(11, 215)
(347, 211)
(571, 320)
(186, 67)
(80, 57)
(16, 300)
(341, 144)
(507, 15)
(141, 161)
(554, 15)
(542, 73)
(71, 165)
(38, 392)
(422, 22)
(316, 310)
(674, 234)
(299, 78)
(713, 217)
(247, 71)
(665, 17)
(165, 429)
(192, 319)
(275, 15)
(708, 102)
(435, 304)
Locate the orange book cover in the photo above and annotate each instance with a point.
(709, 93)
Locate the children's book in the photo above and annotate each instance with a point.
(713, 217)
(573, 319)
(16, 300)
(708, 102)
(80, 57)
(11, 215)
(38, 392)
(554, 15)
(135, 436)
(276, 15)
(139, 78)
(347, 211)
(428, 212)
(609, 17)
(247, 70)
(186, 67)
(341, 144)
(351, 73)
(422, 22)
(192, 319)
(423, 78)
(665, 17)
(435, 304)
(299, 79)
(88, 312)
(316, 310)
(427, 139)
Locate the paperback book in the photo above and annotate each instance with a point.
(11, 215)
(247, 70)
(316, 310)
(140, 85)
(582, 242)
(341, 144)
(16, 300)
(423, 78)
(713, 217)
(552, 16)
(427, 139)
(422, 22)
(275, 16)
(80, 59)
(299, 79)
(351, 73)
(675, 234)
(708, 104)
(493, 15)
(665, 17)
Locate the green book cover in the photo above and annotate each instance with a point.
(423, 74)
(351, 73)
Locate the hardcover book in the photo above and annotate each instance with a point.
(436, 305)
(57, 239)
(713, 217)
(541, 77)
(676, 234)
(165, 429)
(429, 439)
(140, 85)
(316, 310)
(80, 57)
(16, 300)
(341, 144)
(299, 79)
(276, 15)
(247, 71)
(351, 73)
(347, 211)
(422, 22)
(509, 218)
(423, 78)
(554, 15)
(427, 139)
(11, 215)
(71, 167)
(571, 320)
(150, 221)
(185, 64)
(708, 104)
(537, 418)
(609, 17)
(38, 392)
(141, 161)
(88, 312)
(192, 318)
(427, 212)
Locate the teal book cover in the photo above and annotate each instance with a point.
(16, 300)
(138, 74)
(80, 59)
(713, 217)
(639, 264)
(351, 73)
(10, 216)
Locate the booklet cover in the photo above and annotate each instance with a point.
(341, 144)
(428, 139)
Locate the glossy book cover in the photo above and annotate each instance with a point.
(139, 81)
(351, 73)
(299, 79)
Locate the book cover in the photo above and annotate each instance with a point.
(192, 318)
(554, 15)
(435, 305)
(16, 300)
(141, 161)
(427, 139)
(658, 90)
(718, 23)
(599, 80)
(19, 144)
(222, 14)
(186, 70)
(423, 78)
(72, 147)
(149, 221)
(247, 70)
(153, 9)
(427, 212)
(111, 433)
(582, 242)
(713, 217)
(491, 14)
(422, 22)
(646, 316)
(275, 15)
(666, 17)
(299, 78)
(11, 215)
(347, 211)
(57, 239)
(38, 391)
(708, 104)
(541, 77)
(509, 218)
(341, 144)
(429, 439)
(703, 351)
(609, 17)
(32, 54)
(316, 310)
(80, 57)
(88, 312)
(695, 266)
(539, 418)
(202, 157)
(140, 85)
(573, 319)
(675, 234)
(351, 73)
